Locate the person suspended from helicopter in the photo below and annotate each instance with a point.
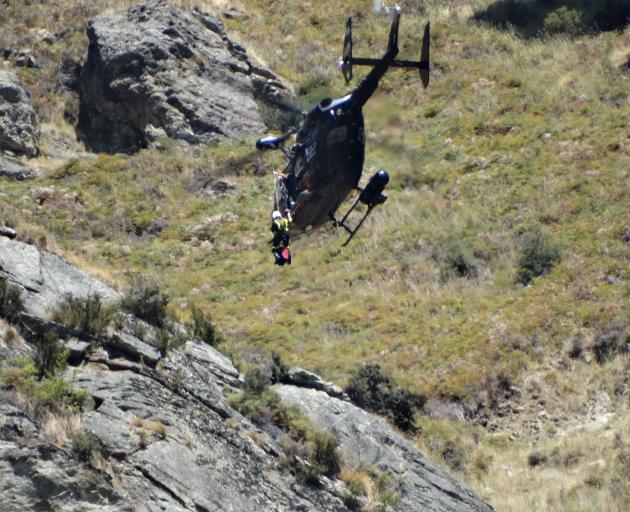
(280, 242)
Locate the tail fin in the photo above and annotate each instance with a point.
(424, 56)
(393, 32)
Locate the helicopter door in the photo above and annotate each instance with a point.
(281, 195)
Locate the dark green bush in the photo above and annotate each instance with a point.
(257, 380)
(56, 394)
(163, 341)
(538, 255)
(563, 19)
(84, 445)
(89, 315)
(324, 453)
(279, 368)
(373, 391)
(147, 302)
(50, 355)
(457, 261)
(11, 304)
(201, 327)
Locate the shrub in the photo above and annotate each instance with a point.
(538, 255)
(88, 315)
(615, 340)
(147, 302)
(57, 394)
(457, 260)
(536, 459)
(201, 327)
(84, 445)
(371, 390)
(50, 355)
(562, 19)
(324, 453)
(11, 304)
(453, 456)
(163, 341)
(279, 368)
(256, 380)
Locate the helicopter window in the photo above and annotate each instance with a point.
(336, 135)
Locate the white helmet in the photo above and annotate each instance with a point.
(276, 215)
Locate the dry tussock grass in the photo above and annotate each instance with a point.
(60, 428)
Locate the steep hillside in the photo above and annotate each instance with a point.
(514, 162)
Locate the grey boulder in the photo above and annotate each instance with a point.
(14, 169)
(19, 125)
(156, 70)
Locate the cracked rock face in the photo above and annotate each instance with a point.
(19, 125)
(157, 70)
(372, 441)
(45, 278)
(171, 441)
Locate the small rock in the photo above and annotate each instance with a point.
(14, 169)
(27, 60)
(234, 14)
(219, 188)
(8, 232)
(304, 378)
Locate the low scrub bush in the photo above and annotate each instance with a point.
(50, 355)
(84, 446)
(457, 260)
(201, 327)
(563, 19)
(538, 255)
(257, 379)
(324, 452)
(89, 315)
(54, 393)
(615, 340)
(147, 302)
(11, 303)
(371, 390)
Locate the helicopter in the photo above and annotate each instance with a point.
(325, 163)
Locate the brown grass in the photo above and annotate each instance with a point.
(60, 428)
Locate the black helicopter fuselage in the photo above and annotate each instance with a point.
(326, 161)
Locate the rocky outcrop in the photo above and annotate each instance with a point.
(370, 440)
(165, 434)
(14, 169)
(45, 278)
(19, 125)
(156, 70)
(39, 476)
(304, 379)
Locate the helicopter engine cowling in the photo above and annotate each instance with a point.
(372, 194)
(268, 143)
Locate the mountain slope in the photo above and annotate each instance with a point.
(513, 138)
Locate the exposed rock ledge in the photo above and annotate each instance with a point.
(156, 70)
(173, 441)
